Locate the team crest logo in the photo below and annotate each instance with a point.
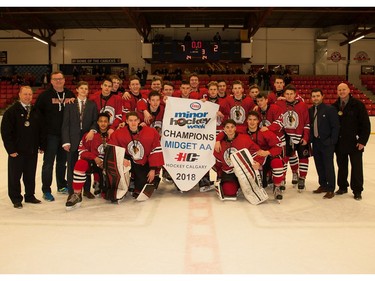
(290, 119)
(157, 125)
(237, 113)
(264, 123)
(227, 154)
(101, 149)
(111, 112)
(136, 150)
(361, 57)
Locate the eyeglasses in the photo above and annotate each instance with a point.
(57, 79)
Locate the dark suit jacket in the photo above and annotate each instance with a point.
(328, 124)
(71, 131)
(355, 125)
(20, 138)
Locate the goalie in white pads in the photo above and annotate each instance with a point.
(230, 144)
(143, 150)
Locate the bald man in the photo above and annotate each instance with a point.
(354, 133)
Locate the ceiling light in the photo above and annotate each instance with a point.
(158, 25)
(178, 25)
(235, 26)
(217, 25)
(197, 25)
(321, 39)
(356, 39)
(40, 40)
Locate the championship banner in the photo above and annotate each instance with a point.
(188, 139)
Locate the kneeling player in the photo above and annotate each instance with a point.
(230, 143)
(143, 150)
(91, 154)
(271, 148)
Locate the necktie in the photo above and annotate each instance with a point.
(342, 106)
(81, 112)
(316, 133)
(28, 108)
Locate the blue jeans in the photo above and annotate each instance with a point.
(54, 150)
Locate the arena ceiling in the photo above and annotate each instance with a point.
(43, 22)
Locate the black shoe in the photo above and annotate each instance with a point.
(341, 192)
(357, 196)
(32, 200)
(18, 205)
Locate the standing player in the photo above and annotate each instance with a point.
(107, 102)
(237, 107)
(296, 124)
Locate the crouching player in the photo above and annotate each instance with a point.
(142, 149)
(230, 142)
(270, 147)
(91, 154)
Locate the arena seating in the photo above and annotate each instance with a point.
(369, 82)
(8, 93)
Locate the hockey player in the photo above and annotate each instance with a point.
(143, 150)
(237, 106)
(296, 123)
(231, 142)
(110, 103)
(155, 108)
(270, 146)
(91, 154)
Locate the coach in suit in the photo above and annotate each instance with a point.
(324, 133)
(23, 133)
(355, 129)
(79, 118)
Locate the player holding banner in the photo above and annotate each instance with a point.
(143, 150)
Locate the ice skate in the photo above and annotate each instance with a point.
(74, 201)
(295, 180)
(277, 194)
(301, 185)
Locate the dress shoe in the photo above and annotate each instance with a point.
(18, 205)
(341, 192)
(88, 194)
(329, 195)
(319, 190)
(357, 196)
(32, 200)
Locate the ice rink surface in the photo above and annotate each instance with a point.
(192, 233)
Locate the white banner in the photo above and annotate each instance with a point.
(188, 139)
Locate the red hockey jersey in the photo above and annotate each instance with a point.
(142, 147)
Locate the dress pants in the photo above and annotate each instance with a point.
(323, 158)
(24, 165)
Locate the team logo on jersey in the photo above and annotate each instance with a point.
(290, 119)
(157, 125)
(136, 150)
(101, 149)
(227, 154)
(237, 113)
(111, 111)
(264, 123)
